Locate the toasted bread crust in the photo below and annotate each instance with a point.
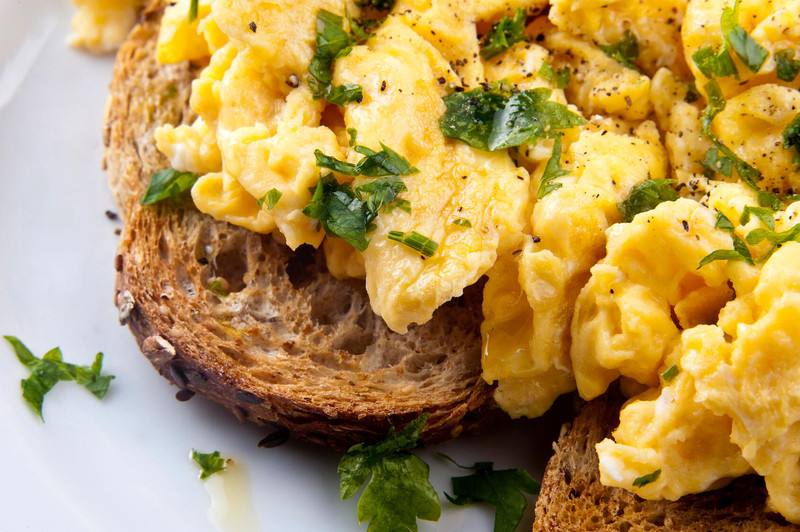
(572, 497)
(291, 345)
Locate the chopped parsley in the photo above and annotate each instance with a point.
(504, 34)
(415, 241)
(646, 196)
(495, 118)
(552, 171)
(724, 223)
(47, 371)
(719, 158)
(740, 252)
(332, 42)
(670, 373)
(504, 489)
(209, 463)
(762, 213)
(791, 137)
(646, 479)
(463, 222)
(756, 236)
(271, 198)
(218, 286)
(625, 51)
(352, 136)
(349, 213)
(168, 184)
(769, 200)
(715, 63)
(559, 77)
(193, 7)
(374, 163)
(398, 490)
(786, 65)
(749, 51)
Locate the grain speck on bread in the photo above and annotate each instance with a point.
(572, 498)
(290, 346)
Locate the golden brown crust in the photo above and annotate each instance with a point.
(572, 498)
(290, 345)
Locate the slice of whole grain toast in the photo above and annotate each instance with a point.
(290, 347)
(572, 498)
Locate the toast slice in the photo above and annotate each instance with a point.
(290, 347)
(572, 497)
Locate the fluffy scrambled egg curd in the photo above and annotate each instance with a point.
(101, 25)
(622, 173)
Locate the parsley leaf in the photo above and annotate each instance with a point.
(47, 371)
(332, 42)
(347, 213)
(210, 463)
(624, 52)
(724, 223)
(352, 136)
(168, 184)
(647, 479)
(504, 34)
(769, 200)
(560, 77)
(374, 164)
(504, 489)
(719, 158)
(762, 213)
(271, 198)
(739, 252)
(193, 7)
(756, 236)
(715, 63)
(787, 66)
(670, 373)
(552, 171)
(493, 119)
(398, 490)
(646, 196)
(791, 135)
(749, 51)
(463, 222)
(415, 241)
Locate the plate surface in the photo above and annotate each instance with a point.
(122, 464)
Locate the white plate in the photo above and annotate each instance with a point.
(121, 464)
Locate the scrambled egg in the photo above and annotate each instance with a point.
(101, 25)
(593, 277)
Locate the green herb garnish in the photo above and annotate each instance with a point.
(168, 184)
(670, 373)
(786, 65)
(218, 286)
(646, 479)
(715, 63)
(625, 51)
(560, 77)
(504, 34)
(740, 252)
(762, 213)
(374, 164)
(271, 198)
(494, 119)
(352, 136)
(415, 241)
(756, 236)
(749, 51)
(724, 223)
(349, 213)
(193, 6)
(47, 371)
(646, 196)
(552, 171)
(791, 137)
(398, 491)
(463, 222)
(769, 200)
(332, 42)
(504, 489)
(210, 463)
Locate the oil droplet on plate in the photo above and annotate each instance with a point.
(231, 507)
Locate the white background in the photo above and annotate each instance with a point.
(121, 464)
